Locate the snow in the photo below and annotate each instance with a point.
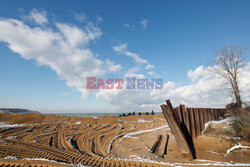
(6, 125)
(78, 123)
(136, 158)
(145, 131)
(227, 120)
(213, 152)
(110, 144)
(143, 121)
(237, 146)
(42, 159)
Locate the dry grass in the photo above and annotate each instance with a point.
(241, 124)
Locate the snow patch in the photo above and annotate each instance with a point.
(145, 131)
(78, 123)
(237, 146)
(143, 121)
(227, 120)
(6, 125)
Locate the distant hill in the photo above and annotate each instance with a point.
(16, 110)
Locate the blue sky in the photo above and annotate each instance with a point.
(177, 38)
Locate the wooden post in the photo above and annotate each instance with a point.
(209, 114)
(183, 111)
(201, 119)
(187, 117)
(166, 147)
(204, 115)
(220, 115)
(212, 113)
(197, 122)
(179, 114)
(176, 115)
(192, 122)
(216, 113)
(168, 112)
(157, 144)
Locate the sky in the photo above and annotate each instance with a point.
(47, 49)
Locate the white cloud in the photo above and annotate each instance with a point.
(80, 17)
(144, 23)
(122, 48)
(151, 73)
(196, 74)
(99, 19)
(40, 17)
(64, 50)
(128, 26)
(205, 90)
(150, 66)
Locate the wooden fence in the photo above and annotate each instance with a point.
(188, 123)
(195, 119)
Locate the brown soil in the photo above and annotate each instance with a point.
(102, 141)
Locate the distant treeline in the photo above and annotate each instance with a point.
(16, 110)
(139, 113)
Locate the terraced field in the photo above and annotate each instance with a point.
(50, 140)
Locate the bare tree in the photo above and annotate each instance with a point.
(228, 63)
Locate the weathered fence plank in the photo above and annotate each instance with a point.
(204, 115)
(213, 117)
(179, 114)
(183, 112)
(197, 122)
(187, 117)
(168, 112)
(192, 121)
(215, 114)
(157, 144)
(201, 119)
(166, 147)
(188, 123)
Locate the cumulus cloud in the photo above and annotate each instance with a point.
(122, 49)
(40, 17)
(64, 49)
(205, 90)
(144, 23)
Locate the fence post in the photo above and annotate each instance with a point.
(180, 114)
(157, 144)
(216, 113)
(183, 111)
(212, 112)
(187, 117)
(185, 148)
(197, 122)
(209, 114)
(201, 119)
(192, 120)
(204, 115)
(166, 147)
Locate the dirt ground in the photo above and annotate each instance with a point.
(52, 140)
